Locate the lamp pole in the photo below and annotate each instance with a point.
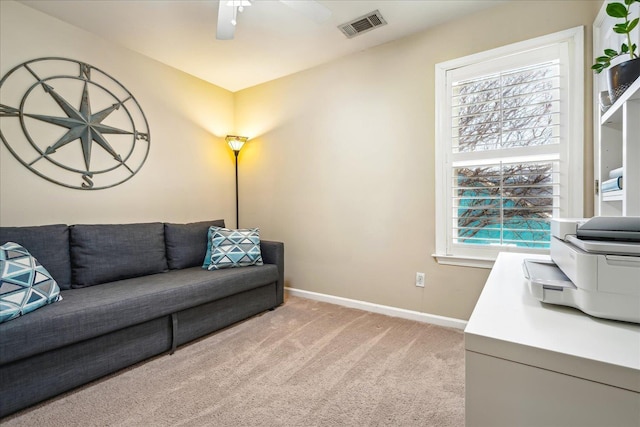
(237, 203)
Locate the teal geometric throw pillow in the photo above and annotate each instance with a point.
(25, 285)
(228, 248)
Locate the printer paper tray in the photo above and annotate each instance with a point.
(546, 274)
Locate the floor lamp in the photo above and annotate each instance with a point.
(236, 143)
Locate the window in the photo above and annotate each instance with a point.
(508, 147)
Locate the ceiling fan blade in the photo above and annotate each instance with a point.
(225, 29)
(310, 8)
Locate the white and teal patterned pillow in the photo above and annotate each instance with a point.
(25, 285)
(232, 248)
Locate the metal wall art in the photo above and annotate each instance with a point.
(72, 124)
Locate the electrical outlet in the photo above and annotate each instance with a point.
(420, 279)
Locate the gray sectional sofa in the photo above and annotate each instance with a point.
(129, 292)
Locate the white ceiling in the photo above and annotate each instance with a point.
(271, 39)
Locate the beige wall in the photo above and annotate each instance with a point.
(341, 168)
(188, 175)
(342, 164)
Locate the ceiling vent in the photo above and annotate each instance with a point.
(363, 24)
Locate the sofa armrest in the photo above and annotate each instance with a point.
(273, 253)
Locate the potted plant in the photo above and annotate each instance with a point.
(622, 75)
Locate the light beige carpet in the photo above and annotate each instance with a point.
(305, 364)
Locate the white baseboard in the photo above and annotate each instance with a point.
(434, 319)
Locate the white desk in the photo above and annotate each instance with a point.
(535, 364)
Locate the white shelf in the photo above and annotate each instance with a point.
(613, 196)
(614, 114)
(617, 144)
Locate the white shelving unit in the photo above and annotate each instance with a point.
(620, 145)
(616, 131)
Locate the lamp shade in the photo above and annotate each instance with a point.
(236, 142)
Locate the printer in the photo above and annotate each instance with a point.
(595, 267)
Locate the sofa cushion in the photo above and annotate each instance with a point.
(105, 253)
(232, 248)
(49, 244)
(187, 243)
(96, 310)
(25, 285)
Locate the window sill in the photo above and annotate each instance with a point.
(486, 261)
(464, 261)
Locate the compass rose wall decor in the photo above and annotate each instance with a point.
(72, 124)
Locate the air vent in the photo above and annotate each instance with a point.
(362, 24)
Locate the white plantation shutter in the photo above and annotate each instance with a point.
(497, 200)
(504, 140)
(505, 203)
(517, 108)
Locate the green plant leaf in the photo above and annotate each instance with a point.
(610, 53)
(633, 24)
(602, 63)
(622, 26)
(624, 48)
(617, 10)
(603, 59)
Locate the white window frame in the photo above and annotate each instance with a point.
(572, 145)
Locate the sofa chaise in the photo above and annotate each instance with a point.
(129, 292)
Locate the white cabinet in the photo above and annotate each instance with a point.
(533, 364)
(616, 131)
